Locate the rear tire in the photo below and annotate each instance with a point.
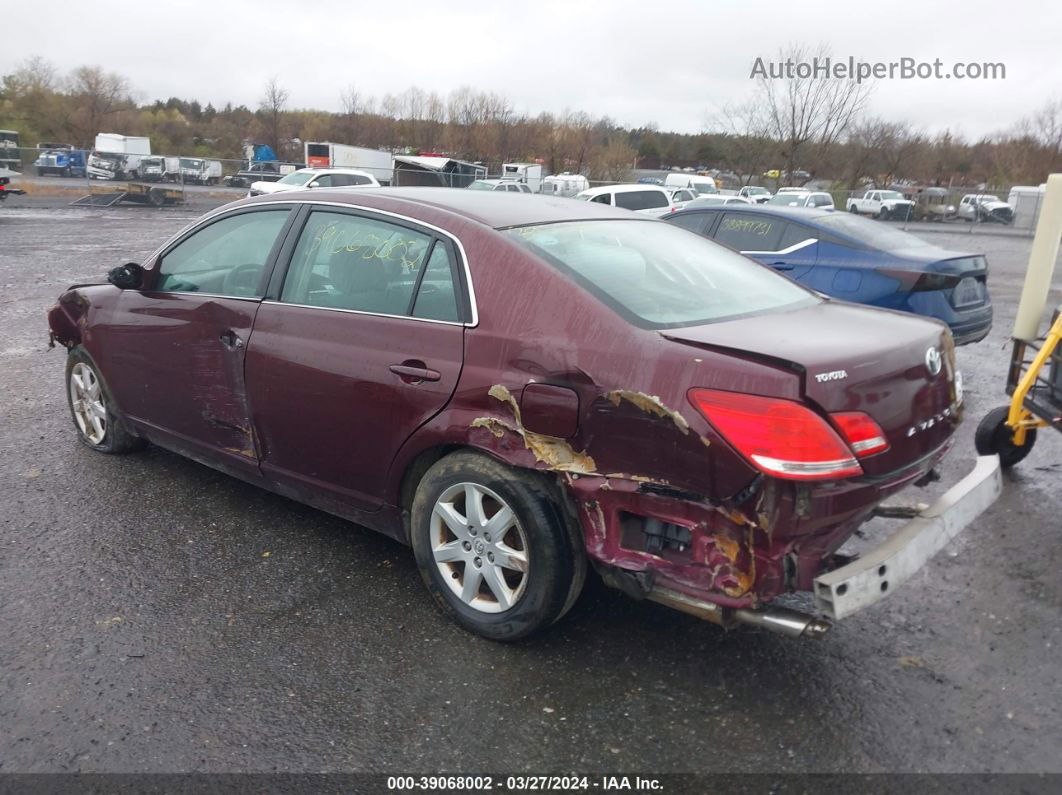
(99, 426)
(994, 436)
(493, 546)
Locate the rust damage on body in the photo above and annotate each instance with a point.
(714, 554)
(555, 453)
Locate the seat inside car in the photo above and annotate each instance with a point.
(368, 284)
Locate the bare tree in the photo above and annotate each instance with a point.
(811, 111)
(98, 96)
(747, 128)
(354, 106)
(612, 162)
(1046, 128)
(271, 109)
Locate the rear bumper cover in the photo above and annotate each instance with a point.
(878, 573)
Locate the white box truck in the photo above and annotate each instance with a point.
(118, 156)
(324, 154)
(528, 173)
(200, 171)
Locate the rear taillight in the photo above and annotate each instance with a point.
(919, 282)
(779, 437)
(863, 435)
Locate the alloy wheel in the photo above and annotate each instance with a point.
(86, 400)
(479, 547)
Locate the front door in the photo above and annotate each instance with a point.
(364, 345)
(173, 353)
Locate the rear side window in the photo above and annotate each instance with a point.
(642, 199)
(743, 232)
(657, 276)
(436, 296)
(349, 262)
(794, 234)
(349, 179)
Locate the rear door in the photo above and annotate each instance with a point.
(359, 343)
(786, 246)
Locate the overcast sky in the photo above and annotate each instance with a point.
(673, 63)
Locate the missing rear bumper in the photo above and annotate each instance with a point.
(874, 576)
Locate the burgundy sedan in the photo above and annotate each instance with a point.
(519, 386)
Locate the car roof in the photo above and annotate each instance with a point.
(517, 209)
(329, 170)
(625, 188)
(782, 211)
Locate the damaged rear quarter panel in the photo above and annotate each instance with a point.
(636, 430)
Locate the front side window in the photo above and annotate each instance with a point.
(658, 276)
(743, 232)
(227, 257)
(642, 199)
(347, 261)
(602, 198)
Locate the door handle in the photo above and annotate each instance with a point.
(231, 340)
(782, 266)
(415, 372)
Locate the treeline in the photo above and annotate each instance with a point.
(826, 132)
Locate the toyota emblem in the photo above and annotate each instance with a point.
(933, 361)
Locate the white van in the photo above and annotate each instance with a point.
(640, 198)
(702, 185)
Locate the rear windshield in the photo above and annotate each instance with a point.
(642, 199)
(297, 178)
(789, 199)
(658, 275)
(872, 233)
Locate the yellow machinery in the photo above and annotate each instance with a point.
(1034, 385)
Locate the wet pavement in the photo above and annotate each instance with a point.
(158, 616)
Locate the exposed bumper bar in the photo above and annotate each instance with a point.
(874, 576)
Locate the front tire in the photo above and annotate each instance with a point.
(92, 408)
(493, 546)
(994, 436)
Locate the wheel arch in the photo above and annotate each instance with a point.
(415, 465)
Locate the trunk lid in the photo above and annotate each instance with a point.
(856, 359)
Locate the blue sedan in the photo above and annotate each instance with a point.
(856, 259)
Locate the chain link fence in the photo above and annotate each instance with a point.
(99, 179)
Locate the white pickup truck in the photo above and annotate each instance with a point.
(985, 207)
(882, 204)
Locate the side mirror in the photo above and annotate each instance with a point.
(314, 184)
(126, 277)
